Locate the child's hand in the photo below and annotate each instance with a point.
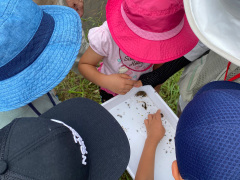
(155, 129)
(77, 5)
(138, 83)
(120, 83)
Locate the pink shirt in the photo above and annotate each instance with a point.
(114, 61)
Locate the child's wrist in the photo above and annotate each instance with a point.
(151, 142)
(103, 80)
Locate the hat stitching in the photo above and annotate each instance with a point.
(9, 134)
(50, 85)
(27, 42)
(141, 59)
(7, 15)
(210, 126)
(15, 175)
(77, 139)
(4, 140)
(172, 9)
(40, 142)
(37, 145)
(57, 14)
(148, 35)
(38, 49)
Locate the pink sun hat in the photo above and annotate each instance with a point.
(155, 31)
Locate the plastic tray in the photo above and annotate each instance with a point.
(130, 111)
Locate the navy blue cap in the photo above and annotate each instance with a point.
(76, 140)
(208, 134)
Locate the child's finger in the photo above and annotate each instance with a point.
(146, 122)
(130, 82)
(124, 91)
(128, 87)
(158, 115)
(150, 116)
(138, 84)
(125, 76)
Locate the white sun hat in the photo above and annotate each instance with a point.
(217, 24)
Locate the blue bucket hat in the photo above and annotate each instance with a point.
(38, 47)
(208, 133)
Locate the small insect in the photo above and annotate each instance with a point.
(141, 93)
(170, 140)
(162, 115)
(119, 115)
(144, 105)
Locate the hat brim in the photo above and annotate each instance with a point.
(50, 68)
(217, 85)
(105, 140)
(215, 27)
(144, 50)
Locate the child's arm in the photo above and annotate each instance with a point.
(155, 132)
(118, 83)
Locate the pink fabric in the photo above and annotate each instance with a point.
(151, 35)
(165, 14)
(101, 41)
(156, 15)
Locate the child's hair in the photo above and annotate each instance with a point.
(208, 133)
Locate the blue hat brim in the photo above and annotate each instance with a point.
(216, 85)
(51, 67)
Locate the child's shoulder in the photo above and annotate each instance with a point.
(101, 41)
(100, 33)
(103, 28)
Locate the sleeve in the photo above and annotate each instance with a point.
(160, 75)
(196, 52)
(100, 40)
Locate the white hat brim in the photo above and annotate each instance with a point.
(217, 24)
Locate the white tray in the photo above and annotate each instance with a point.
(130, 113)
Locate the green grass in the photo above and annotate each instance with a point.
(76, 86)
(94, 21)
(170, 91)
